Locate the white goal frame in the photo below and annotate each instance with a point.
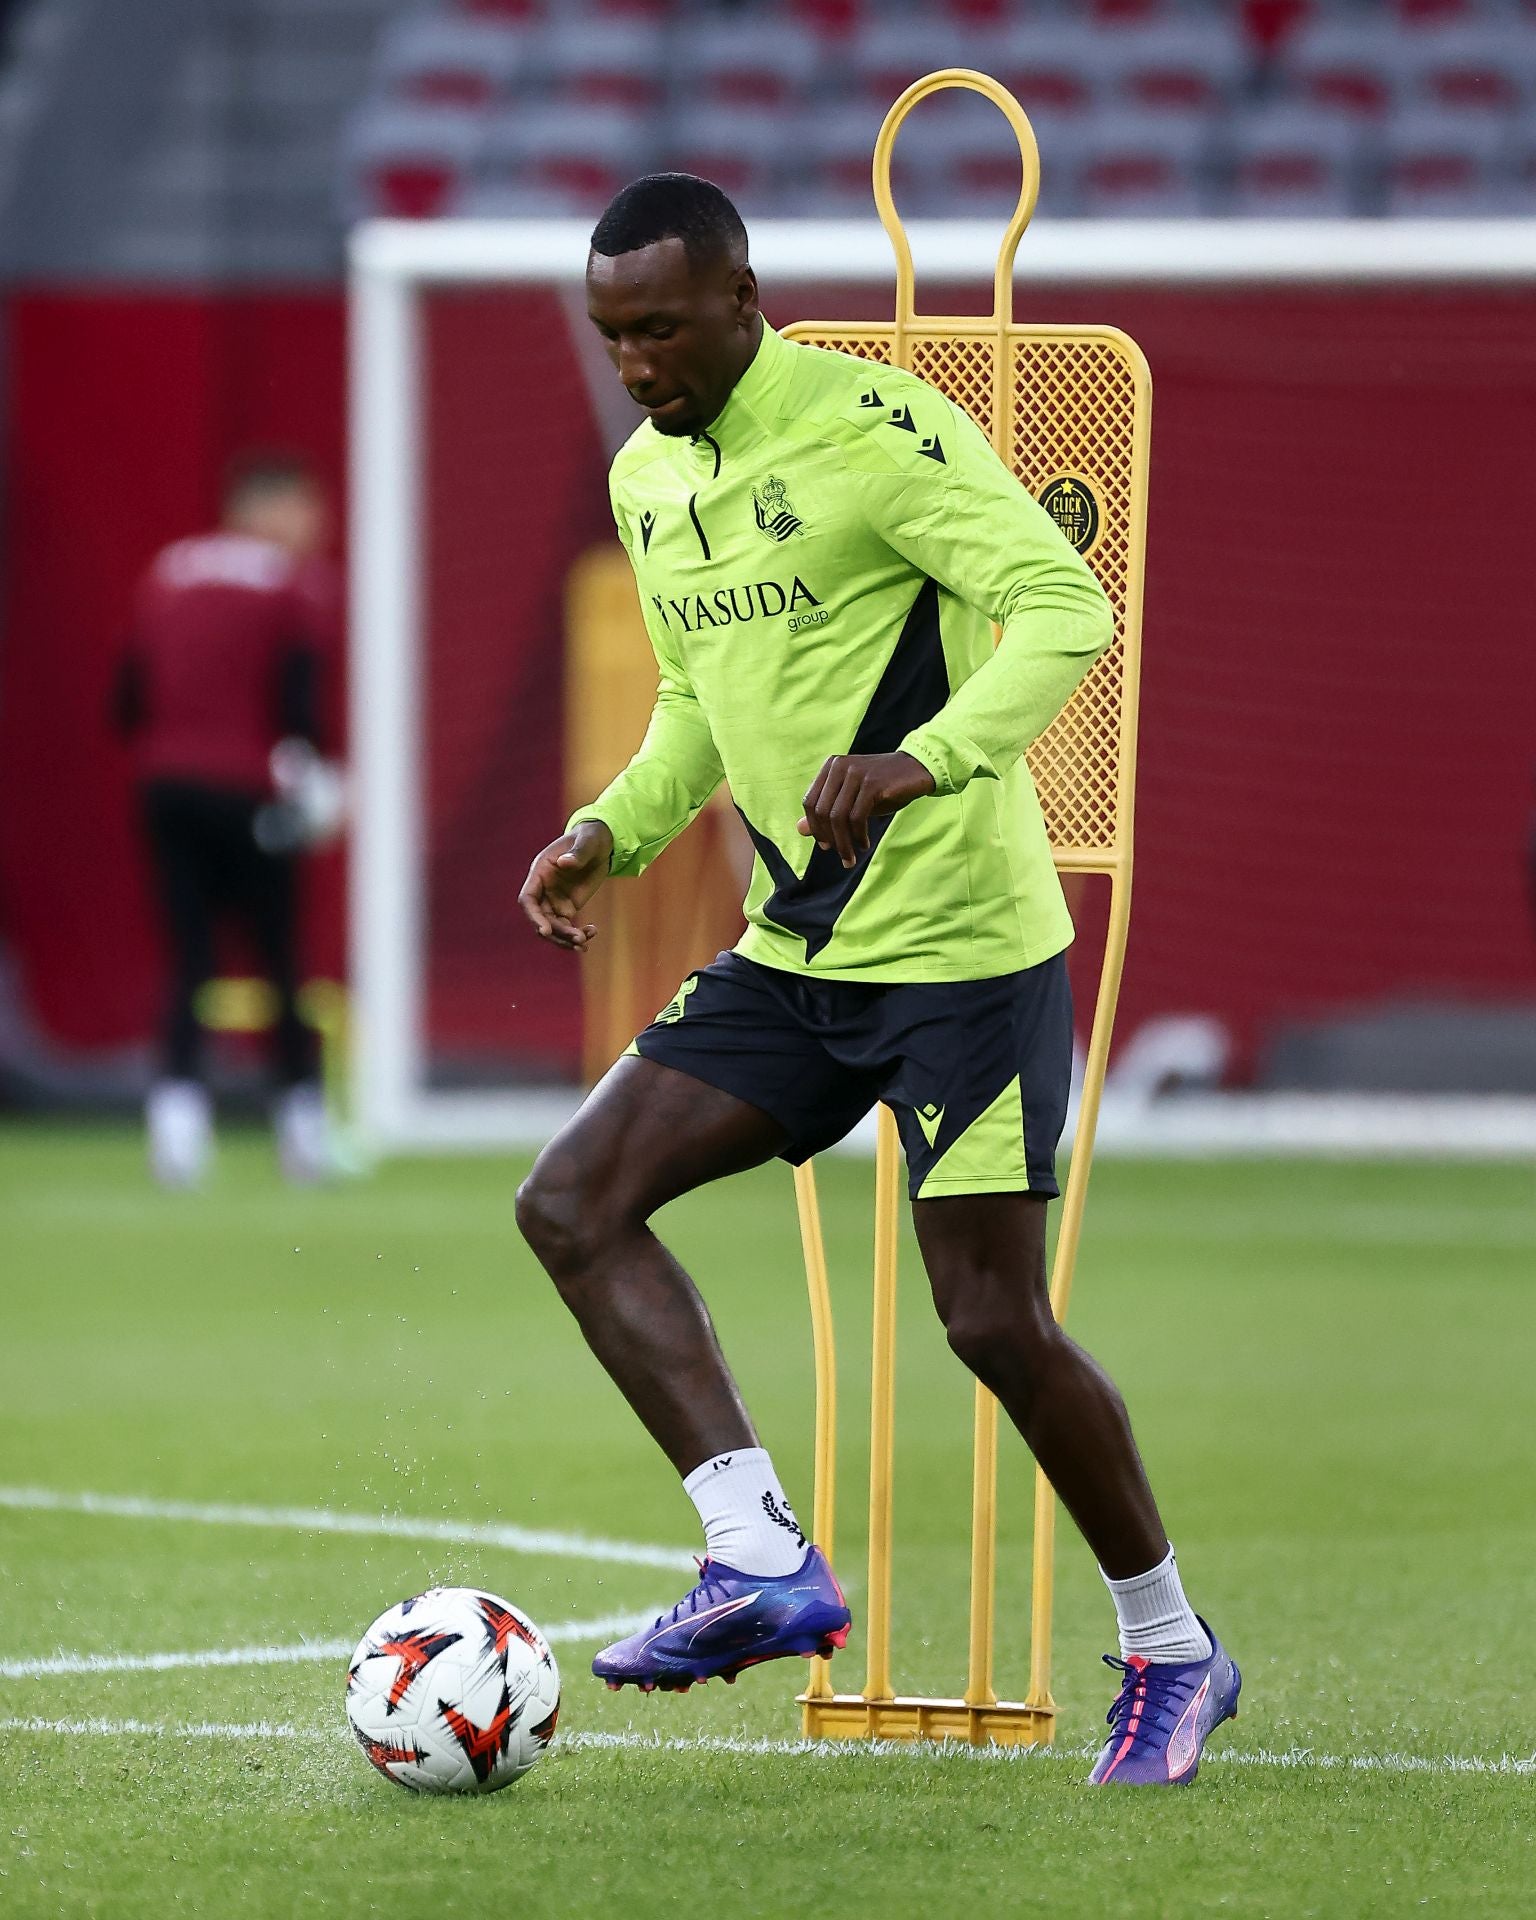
(393, 262)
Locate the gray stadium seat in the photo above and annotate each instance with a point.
(889, 51)
(1292, 162)
(832, 160)
(1439, 164)
(450, 60)
(1175, 66)
(1052, 68)
(1480, 67)
(750, 61)
(1351, 66)
(746, 150)
(618, 61)
(1153, 165)
(573, 150)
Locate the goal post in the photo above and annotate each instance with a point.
(398, 269)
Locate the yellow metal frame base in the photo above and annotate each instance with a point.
(849, 1716)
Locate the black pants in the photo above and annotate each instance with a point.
(208, 866)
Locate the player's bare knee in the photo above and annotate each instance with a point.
(559, 1215)
(1004, 1345)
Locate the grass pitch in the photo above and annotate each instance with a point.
(1328, 1366)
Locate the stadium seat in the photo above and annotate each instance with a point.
(572, 151)
(746, 150)
(1269, 26)
(1435, 13)
(444, 60)
(1518, 195)
(1294, 162)
(1444, 164)
(518, 12)
(972, 162)
(1138, 13)
(408, 161)
(751, 62)
(833, 162)
(1148, 164)
(1176, 66)
(829, 20)
(1052, 68)
(889, 51)
(618, 62)
(1479, 67)
(1346, 66)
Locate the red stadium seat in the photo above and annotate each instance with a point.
(445, 60)
(888, 52)
(752, 63)
(833, 161)
(1149, 165)
(1346, 66)
(743, 149)
(1295, 163)
(1435, 13)
(520, 12)
(609, 62)
(829, 19)
(1478, 67)
(574, 151)
(1056, 69)
(411, 162)
(1270, 25)
(1443, 164)
(1178, 66)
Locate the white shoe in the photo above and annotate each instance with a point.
(179, 1115)
(304, 1148)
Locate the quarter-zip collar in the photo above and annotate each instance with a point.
(741, 421)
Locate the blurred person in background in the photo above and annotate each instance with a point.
(221, 695)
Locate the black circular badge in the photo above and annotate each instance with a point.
(1074, 506)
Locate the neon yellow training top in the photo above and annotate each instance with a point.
(818, 574)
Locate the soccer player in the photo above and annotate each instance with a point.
(821, 545)
(225, 659)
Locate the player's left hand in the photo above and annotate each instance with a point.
(854, 788)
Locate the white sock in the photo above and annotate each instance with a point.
(748, 1522)
(180, 1119)
(303, 1134)
(1156, 1621)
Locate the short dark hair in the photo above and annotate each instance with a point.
(264, 470)
(671, 206)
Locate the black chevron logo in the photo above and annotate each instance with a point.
(902, 417)
(870, 399)
(647, 528)
(934, 451)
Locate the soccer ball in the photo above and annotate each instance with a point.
(454, 1691)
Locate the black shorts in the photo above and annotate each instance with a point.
(977, 1072)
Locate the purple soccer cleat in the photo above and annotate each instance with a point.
(1163, 1716)
(729, 1621)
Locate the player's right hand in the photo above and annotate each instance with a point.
(562, 879)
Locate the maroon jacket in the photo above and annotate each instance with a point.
(226, 654)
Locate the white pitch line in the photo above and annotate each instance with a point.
(949, 1753)
(180, 1730)
(1297, 1758)
(484, 1533)
(610, 1625)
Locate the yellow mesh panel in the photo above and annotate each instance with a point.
(1074, 402)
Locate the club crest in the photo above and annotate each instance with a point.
(776, 518)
